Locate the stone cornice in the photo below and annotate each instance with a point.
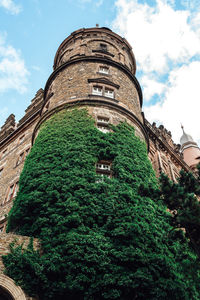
(104, 81)
(81, 32)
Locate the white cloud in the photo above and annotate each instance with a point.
(181, 103)
(13, 73)
(151, 87)
(157, 34)
(10, 6)
(166, 44)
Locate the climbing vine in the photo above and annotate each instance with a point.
(99, 239)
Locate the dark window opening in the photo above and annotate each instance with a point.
(103, 47)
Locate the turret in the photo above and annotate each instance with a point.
(190, 150)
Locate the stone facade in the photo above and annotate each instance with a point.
(95, 69)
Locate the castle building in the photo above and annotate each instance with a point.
(93, 68)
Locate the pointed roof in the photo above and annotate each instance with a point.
(187, 141)
(185, 138)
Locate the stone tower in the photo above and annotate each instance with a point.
(95, 68)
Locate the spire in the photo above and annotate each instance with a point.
(186, 139)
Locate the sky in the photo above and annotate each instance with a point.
(164, 35)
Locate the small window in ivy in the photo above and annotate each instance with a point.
(103, 124)
(103, 168)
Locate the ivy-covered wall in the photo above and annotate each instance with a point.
(99, 240)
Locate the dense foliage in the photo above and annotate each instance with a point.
(182, 200)
(99, 239)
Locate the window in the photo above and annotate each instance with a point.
(22, 156)
(4, 153)
(103, 169)
(103, 124)
(12, 192)
(27, 151)
(21, 139)
(20, 159)
(97, 90)
(103, 47)
(1, 170)
(103, 70)
(1, 228)
(103, 166)
(16, 189)
(109, 93)
(101, 91)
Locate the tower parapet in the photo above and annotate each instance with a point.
(96, 42)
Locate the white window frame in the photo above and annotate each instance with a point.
(97, 90)
(103, 124)
(103, 70)
(103, 166)
(109, 93)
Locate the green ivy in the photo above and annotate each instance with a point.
(99, 240)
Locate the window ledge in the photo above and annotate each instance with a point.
(104, 97)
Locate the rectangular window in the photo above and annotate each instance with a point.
(4, 153)
(109, 93)
(103, 124)
(103, 47)
(15, 189)
(20, 159)
(27, 152)
(1, 170)
(12, 192)
(103, 128)
(22, 156)
(103, 166)
(21, 138)
(103, 70)
(103, 169)
(102, 120)
(97, 90)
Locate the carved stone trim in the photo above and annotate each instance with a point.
(104, 81)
